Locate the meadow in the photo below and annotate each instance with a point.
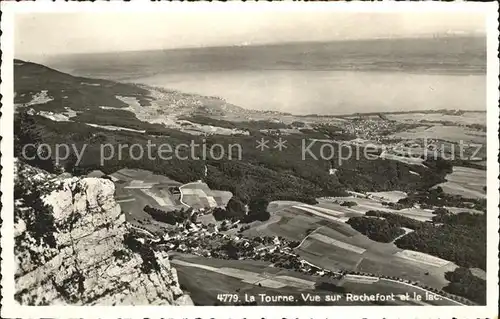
(327, 241)
(466, 182)
(207, 278)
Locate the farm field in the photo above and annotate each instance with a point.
(358, 253)
(413, 270)
(419, 257)
(328, 242)
(478, 273)
(132, 203)
(465, 118)
(416, 213)
(457, 210)
(482, 163)
(280, 204)
(328, 256)
(284, 224)
(205, 278)
(362, 204)
(453, 134)
(389, 196)
(373, 258)
(128, 175)
(466, 182)
(136, 188)
(198, 195)
(327, 214)
(367, 204)
(295, 222)
(403, 159)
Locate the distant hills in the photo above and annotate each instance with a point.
(68, 91)
(444, 54)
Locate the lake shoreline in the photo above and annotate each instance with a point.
(332, 93)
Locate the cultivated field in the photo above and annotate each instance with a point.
(285, 223)
(389, 196)
(466, 182)
(129, 175)
(198, 195)
(453, 134)
(465, 118)
(334, 251)
(403, 159)
(367, 204)
(136, 188)
(205, 278)
(326, 241)
(478, 273)
(419, 257)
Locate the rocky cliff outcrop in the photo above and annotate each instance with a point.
(73, 246)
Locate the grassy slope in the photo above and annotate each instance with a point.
(81, 93)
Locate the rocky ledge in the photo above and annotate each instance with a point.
(73, 246)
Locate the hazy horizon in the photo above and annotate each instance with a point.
(427, 36)
(326, 78)
(68, 33)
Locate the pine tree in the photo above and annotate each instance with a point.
(25, 133)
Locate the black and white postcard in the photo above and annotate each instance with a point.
(181, 156)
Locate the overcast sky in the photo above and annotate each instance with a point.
(47, 34)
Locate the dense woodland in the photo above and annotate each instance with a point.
(170, 217)
(376, 228)
(460, 238)
(435, 197)
(235, 210)
(464, 283)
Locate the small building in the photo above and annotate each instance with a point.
(97, 173)
(332, 171)
(276, 241)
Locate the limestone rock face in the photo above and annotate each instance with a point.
(70, 247)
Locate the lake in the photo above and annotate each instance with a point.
(335, 77)
(331, 92)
